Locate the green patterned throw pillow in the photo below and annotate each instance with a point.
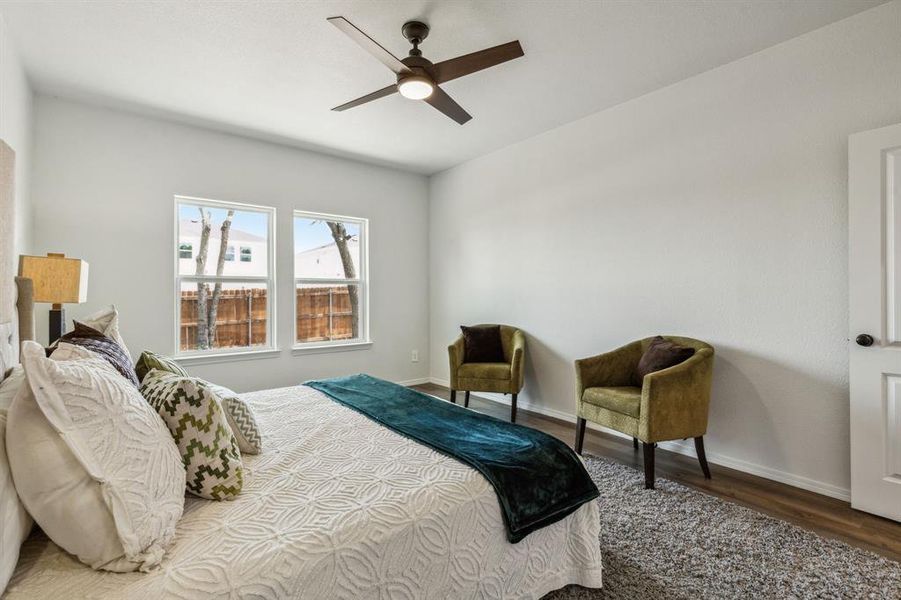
(151, 360)
(197, 422)
(240, 418)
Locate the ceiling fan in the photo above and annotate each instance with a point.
(418, 77)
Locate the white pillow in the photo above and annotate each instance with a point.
(93, 463)
(15, 524)
(106, 321)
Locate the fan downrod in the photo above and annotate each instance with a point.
(415, 32)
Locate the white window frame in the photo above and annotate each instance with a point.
(362, 281)
(269, 280)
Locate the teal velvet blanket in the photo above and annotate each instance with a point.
(538, 479)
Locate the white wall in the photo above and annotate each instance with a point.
(16, 130)
(103, 190)
(714, 208)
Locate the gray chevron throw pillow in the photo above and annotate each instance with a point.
(240, 419)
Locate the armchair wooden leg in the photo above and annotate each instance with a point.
(454, 396)
(513, 409)
(635, 443)
(702, 456)
(648, 465)
(466, 399)
(580, 434)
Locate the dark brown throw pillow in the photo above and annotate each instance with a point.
(482, 344)
(105, 347)
(661, 354)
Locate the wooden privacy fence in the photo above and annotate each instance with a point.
(240, 319)
(323, 313)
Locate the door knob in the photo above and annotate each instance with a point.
(864, 339)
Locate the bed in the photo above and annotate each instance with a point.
(336, 506)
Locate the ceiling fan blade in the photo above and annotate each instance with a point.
(386, 91)
(440, 100)
(476, 61)
(369, 45)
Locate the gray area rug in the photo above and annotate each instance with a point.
(677, 542)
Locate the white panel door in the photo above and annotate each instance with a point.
(874, 246)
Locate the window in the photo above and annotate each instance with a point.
(246, 254)
(224, 305)
(330, 279)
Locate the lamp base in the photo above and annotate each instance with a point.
(57, 324)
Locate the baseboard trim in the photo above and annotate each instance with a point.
(685, 448)
(409, 382)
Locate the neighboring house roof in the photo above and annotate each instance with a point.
(324, 261)
(189, 228)
(330, 249)
(353, 242)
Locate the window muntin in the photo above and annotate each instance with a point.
(224, 305)
(331, 279)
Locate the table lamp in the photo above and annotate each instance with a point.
(57, 280)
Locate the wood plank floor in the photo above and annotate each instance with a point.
(826, 516)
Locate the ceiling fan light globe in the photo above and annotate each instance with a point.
(415, 88)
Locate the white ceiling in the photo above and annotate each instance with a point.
(274, 69)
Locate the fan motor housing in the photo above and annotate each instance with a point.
(419, 66)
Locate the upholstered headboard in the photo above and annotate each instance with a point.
(25, 308)
(8, 340)
(16, 293)
(21, 328)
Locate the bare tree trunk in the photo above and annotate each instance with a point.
(339, 234)
(203, 340)
(220, 266)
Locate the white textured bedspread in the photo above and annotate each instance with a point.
(338, 506)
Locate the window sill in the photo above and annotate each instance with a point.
(326, 348)
(222, 357)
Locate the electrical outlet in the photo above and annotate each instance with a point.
(414, 356)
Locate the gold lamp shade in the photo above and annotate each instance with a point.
(57, 279)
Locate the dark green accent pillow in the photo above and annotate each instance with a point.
(198, 424)
(661, 354)
(482, 344)
(151, 360)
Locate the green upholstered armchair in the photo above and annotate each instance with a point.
(671, 404)
(503, 378)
